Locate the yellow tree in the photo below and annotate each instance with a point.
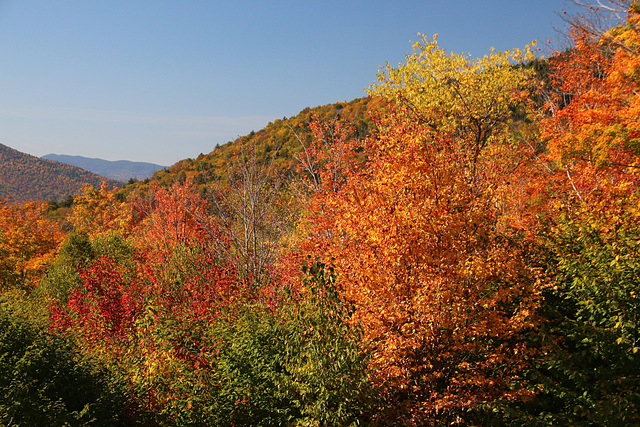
(471, 99)
(97, 211)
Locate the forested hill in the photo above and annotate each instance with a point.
(25, 177)
(28, 178)
(280, 140)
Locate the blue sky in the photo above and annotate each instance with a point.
(160, 81)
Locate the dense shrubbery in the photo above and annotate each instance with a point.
(45, 381)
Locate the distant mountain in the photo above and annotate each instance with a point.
(121, 170)
(28, 178)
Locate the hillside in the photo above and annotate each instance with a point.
(279, 140)
(26, 178)
(120, 170)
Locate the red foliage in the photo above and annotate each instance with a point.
(174, 287)
(106, 307)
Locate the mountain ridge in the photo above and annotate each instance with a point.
(120, 170)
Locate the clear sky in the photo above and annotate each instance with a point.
(160, 80)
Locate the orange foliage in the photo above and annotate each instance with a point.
(425, 246)
(600, 78)
(28, 241)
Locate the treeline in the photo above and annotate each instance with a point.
(469, 259)
(28, 178)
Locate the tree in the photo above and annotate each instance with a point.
(598, 126)
(471, 100)
(97, 211)
(430, 238)
(598, 17)
(256, 211)
(325, 160)
(296, 363)
(599, 276)
(28, 242)
(45, 381)
(440, 282)
(590, 312)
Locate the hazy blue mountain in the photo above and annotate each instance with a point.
(121, 170)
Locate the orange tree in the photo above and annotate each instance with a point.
(28, 242)
(598, 79)
(428, 244)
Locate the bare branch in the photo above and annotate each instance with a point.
(596, 18)
(254, 210)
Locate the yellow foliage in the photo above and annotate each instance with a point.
(451, 92)
(97, 211)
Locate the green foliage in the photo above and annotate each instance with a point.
(588, 371)
(599, 277)
(44, 382)
(62, 276)
(295, 364)
(76, 253)
(601, 271)
(77, 249)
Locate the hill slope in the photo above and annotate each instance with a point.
(121, 170)
(28, 178)
(279, 140)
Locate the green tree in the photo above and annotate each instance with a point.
(44, 381)
(592, 373)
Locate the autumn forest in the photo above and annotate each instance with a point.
(461, 247)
